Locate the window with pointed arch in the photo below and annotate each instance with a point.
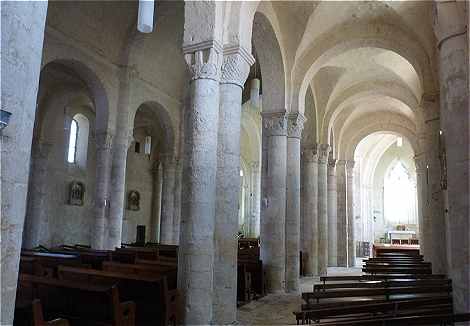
(78, 140)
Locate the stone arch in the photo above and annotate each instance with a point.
(162, 117)
(356, 36)
(362, 90)
(94, 86)
(271, 62)
(349, 144)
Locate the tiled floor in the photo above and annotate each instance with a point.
(276, 309)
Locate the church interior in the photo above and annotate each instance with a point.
(235, 162)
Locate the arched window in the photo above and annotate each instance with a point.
(72, 153)
(78, 140)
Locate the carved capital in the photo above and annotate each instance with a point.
(236, 65)
(310, 154)
(331, 162)
(255, 165)
(323, 152)
(104, 140)
(350, 165)
(430, 105)
(295, 125)
(420, 163)
(341, 163)
(204, 60)
(275, 123)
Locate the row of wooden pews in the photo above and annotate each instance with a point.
(250, 274)
(396, 289)
(81, 286)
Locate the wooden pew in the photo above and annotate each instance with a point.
(79, 303)
(397, 270)
(170, 272)
(38, 317)
(155, 303)
(382, 283)
(45, 264)
(351, 310)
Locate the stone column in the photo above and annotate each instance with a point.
(255, 199)
(177, 204)
(435, 196)
(35, 220)
(273, 209)
(350, 213)
(310, 210)
(295, 123)
(122, 141)
(196, 250)
(323, 152)
(332, 214)
(103, 157)
(157, 174)
(342, 214)
(235, 69)
(22, 41)
(451, 30)
(168, 200)
(425, 240)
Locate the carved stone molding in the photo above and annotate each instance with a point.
(236, 65)
(275, 123)
(204, 60)
(341, 163)
(310, 154)
(103, 140)
(323, 152)
(295, 125)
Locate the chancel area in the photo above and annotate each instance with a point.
(235, 162)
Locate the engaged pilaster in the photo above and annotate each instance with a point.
(323, 152)
(273, 209)
(295, 125)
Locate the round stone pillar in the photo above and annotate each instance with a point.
(425, 236)
(341, 213)
(157, 175)
(235, 69)
(435, 196)
(22, 41)
(273, 208)
(295, 123)
(451, 29)
(332, 215)
(255, 199)
(310, 210)
(350, 213)
(35, 220)
(177, 204)
(323, 152)
(168, 200)
(103, 158)
(196, 250)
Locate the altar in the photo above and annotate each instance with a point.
(398, 234)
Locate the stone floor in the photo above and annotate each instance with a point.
(276, 309)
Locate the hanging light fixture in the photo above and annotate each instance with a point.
(148, 145)
(145, 16)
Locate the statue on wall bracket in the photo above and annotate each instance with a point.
(133, 200)
(76, 193)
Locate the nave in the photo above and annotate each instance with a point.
(232, 148)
